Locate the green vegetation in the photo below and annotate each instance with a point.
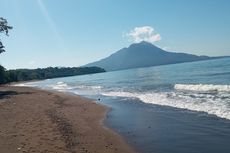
(2, 74)
(4, 28)
(45, 73)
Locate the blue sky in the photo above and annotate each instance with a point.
(76, 32)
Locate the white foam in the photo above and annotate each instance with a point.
(210, 105)
(19, 85)
(202, 87)
(60, 86)
(88, 87)
(24, 85)
(60, 82)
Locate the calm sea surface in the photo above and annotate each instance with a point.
(180, 108)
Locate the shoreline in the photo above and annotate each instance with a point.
(48, 121)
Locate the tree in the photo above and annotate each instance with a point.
(2, 75)
(4, 28)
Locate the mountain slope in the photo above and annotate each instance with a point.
(143, 54)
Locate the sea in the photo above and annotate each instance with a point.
(178, 108)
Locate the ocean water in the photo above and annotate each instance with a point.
(165, 109)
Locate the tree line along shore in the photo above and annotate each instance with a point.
(7, 76)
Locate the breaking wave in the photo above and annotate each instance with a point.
(211, 104)
(64, 86)
(60, 86)
(202, 87)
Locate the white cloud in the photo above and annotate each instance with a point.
(145, 33)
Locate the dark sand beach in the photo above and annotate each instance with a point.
(33, 120)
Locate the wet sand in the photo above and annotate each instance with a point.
(33, 120)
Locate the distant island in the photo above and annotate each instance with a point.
(45, 73)
(144, 54)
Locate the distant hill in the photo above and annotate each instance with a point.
(144, 54)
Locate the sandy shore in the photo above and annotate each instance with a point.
(36, 121)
